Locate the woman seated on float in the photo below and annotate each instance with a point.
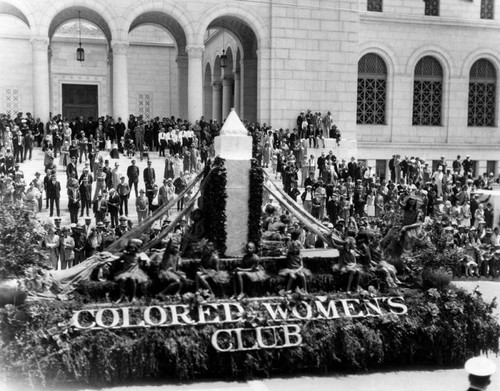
(250, 269)
(169, 267)
(130, 269)
(294, 265)
(208, 269)
(379, 264)
(276, 229)
(347, 263)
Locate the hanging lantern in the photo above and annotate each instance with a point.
(80, 53)
(223, 57)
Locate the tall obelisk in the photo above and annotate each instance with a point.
(234, 145)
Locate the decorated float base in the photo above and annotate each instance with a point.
(193, 336)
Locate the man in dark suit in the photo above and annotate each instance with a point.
(321, 164)
(352, 167)
(113, 207)
(133, 177)
(85, 190)
(120, 129)
(54, 194)
(149, 176)
(392, 168)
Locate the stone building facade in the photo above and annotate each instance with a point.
(419, 78)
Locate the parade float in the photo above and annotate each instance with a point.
(65, 327)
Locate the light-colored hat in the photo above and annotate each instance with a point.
(480, 366)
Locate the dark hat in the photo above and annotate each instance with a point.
(123, 218)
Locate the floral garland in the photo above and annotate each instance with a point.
(441, 328)
(214, 205)
(255, 204)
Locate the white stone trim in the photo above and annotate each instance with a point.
(58, 79)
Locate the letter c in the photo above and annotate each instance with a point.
(215, 341)
(75, 320)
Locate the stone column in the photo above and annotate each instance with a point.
(227, 96)
(263, 94)
(182, 67)
(195, 85)
(41, 83)
(207, 101)
(237, 89)
(241, 111)
(216, 101)
(120, 80)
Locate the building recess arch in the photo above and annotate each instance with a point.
(57, 13)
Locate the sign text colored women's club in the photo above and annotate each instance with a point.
(279, 333)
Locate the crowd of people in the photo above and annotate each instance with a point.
(359, 206)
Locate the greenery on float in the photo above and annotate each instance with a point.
(21, 236)
(213, 203)
(255, 204)
(441, 328)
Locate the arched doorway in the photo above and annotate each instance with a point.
(164, 76)
(80, 88)
(238, 81)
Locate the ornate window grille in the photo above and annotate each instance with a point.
(374, 5)
(12, 101)
(428, 92)
(145, 105)
(432, 7)
(372, 90)
(482, 86)
(487, 9)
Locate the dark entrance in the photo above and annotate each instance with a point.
(79, 100)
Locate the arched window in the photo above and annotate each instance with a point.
(372, 87)
(482, 83)
(428, 92)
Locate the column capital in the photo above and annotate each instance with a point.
(40, 43)
(236, 74)
(227, 81)
(195, 51)
(216, 86)
(119, 47)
